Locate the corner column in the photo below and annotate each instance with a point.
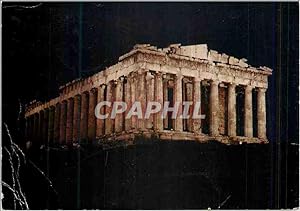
(261, 113)
(248, 120)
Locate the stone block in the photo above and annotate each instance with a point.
(214, 56)
(242, 63)
(224, 58)
(233, 60)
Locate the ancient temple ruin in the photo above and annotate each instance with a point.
(232, 95)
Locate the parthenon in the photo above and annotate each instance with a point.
(232, 95)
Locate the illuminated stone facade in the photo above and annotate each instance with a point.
(175, 74)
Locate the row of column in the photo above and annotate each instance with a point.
(74, 119)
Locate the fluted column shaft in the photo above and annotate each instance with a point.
(134, 96)
(119, 98)
(100, 122)
(84, 115)
(214, 104)
(63, 121)
(56, 123)
(189, 98)
(231, 110)
(159, 98)
(261, 113)
(127, 92)
(109, 98)
(165, 99)
(248, 119)
(70, 114)
(197, 99)
(140, 87)
(76, 118)
(150, 98)
(178, 99)
(91, 114)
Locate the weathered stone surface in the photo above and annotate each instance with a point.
(149, 74)
(233, 60)
(242, 63)
(214, 56)
(224, 58)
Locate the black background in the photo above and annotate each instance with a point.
(48, 45)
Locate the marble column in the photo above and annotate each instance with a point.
(84, 116)
(231, 110)
(189, 97)
(214, 104)
(197, 99)
(127, 92)
(109, 98)
(56, 123)
(91, 115)
(63, 121)
(165, 99)
(150, 98)
(119, 98)
(140, 88)
(70, 114)
(133, 94)
(178, 99)
(159, 98)
(261, 113)
(51, 124)
(100, 122)
(76, 118)
(248, 119)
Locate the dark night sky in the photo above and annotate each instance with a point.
(42, 45)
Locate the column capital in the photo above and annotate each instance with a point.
(261, 89)
(93, 90)
(121, 78)
(231, 84)
(102, 86)
(158, 73)
(214, 82)
(149, 76)
(179, 76)
(248, 88)
(195, 79)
